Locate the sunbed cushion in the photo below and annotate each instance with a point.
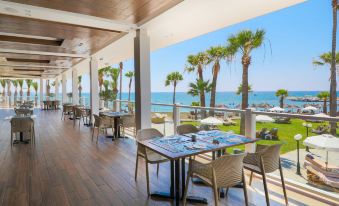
(322, 166)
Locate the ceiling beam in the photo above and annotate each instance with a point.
(33, 66)
(15, 51)
(64, 17)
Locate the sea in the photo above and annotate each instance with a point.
(229, 99)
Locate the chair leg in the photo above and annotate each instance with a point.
(92, 133)
(11, 139)
(186, 188)
(226, 191)
(98, 134)
(264, 182)
(147, 178)
(157, 169)
(251, 177)
(216, 193)
(136, 167)
(283, 183)
(244, 187)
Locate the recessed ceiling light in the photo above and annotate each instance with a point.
(80, 44)
(101, 59)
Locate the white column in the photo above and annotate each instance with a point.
(142, 80)
(56, 88)
(64, 89)
(94, 86)
(75, 92)
(41, 91)
(250, 127)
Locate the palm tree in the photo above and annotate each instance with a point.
(239, 90)
(120, 82)
(114, 74)
(29, 84)
(21, 83)
(173, 78)
(3, 84)
(101, 74)
(106, 93)
(35, 87)
(245, 42)
(48, 88)
(195, 104)
(9, 93)
(79, 85)
(333, 86)
(15, 84)
(197, 63)
(282, 93)
(129, 75)
(324, 96)
(326, 59)
(197, 88)
(215, 55)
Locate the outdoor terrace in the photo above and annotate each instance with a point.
(67, 168)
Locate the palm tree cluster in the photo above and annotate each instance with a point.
(109, 86)
(244, 43)
(18, 83)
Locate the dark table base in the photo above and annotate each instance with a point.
(23, 141)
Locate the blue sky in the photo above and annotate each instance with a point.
(296, 35)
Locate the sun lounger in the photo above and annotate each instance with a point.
(318, 172)
(320, 130)
(330, 170)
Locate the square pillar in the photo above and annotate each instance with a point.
(56, 88)
(142, 70)
(41, 92)
(250, 128)
(94, 86)
(64, 91)
(75, 92)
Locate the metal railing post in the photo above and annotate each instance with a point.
(176, 117)
(250, 127)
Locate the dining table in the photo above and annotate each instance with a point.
(179, 147)
(116, 119)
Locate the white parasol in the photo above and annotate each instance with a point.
(325, 141)
(263, 118)
(309, 109)
(276, 109)
(211, 121)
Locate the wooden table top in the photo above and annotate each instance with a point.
(181, 146)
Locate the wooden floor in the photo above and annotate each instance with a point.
(67, 168)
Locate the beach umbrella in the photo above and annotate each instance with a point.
(309, 109)
(321, 115)
(325, 142)
(263, 118)
(276, 109)
(211, 121)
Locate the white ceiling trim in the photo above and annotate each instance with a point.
(16, 51)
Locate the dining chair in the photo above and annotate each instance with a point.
(22, 124)
(186, 129)
(77, 115)
(265, 159)
(128, 122)
(102, 124)
(224, 172)
(149, 156)
(23, 112)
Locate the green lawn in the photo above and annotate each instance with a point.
(286, 132)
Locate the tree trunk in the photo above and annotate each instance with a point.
(282, 101)
(129, 90)
(246, 60)
(202, 93)
(216, 68)
(325, 106)
(333, 87)
(175, 85)
(120, 89)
